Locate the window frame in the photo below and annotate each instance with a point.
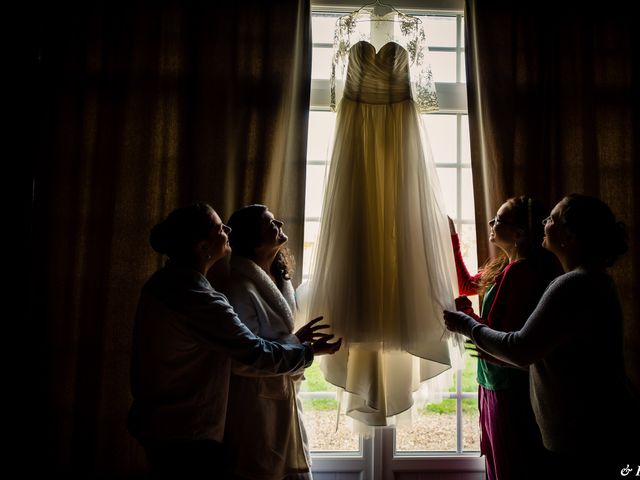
(378, 453)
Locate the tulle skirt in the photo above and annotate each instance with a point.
(383, 267)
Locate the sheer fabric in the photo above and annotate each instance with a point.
(407, 31)
(383, 268)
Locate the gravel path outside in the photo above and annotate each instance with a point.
(430, 432)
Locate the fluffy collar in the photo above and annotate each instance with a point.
(282, 302)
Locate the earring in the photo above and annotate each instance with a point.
(562, 245)
(208, 257)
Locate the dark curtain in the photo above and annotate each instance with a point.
(553, 109)
(142, 107)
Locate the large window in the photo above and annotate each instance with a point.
(450, 427)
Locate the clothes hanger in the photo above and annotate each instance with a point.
(380, 9)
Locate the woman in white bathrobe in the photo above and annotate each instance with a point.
(265, 438)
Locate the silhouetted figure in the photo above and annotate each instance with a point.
(185, 336)
(264, 412)
(511, 285)
(573, 342)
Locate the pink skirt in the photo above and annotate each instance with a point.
(510, 439)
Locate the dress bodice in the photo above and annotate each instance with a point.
(403, 56)
(378, 77)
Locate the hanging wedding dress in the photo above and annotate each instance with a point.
(383, 265)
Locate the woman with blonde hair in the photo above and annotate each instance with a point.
(573, 345)
(511, 284)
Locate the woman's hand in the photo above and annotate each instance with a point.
(470, 347)
(452, 226)
(319, 341)
(324, 347)
(459, 322)
(310, 333)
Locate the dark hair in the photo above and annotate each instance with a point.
(181, 230)
(244, 238)
(602, 237)
(527, 214)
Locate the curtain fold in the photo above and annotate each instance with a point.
(553, 109)
(146, 106)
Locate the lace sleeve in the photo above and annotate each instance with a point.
(405, 30)
(415, 42)
(345, 28)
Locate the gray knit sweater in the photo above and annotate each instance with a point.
(573, 342)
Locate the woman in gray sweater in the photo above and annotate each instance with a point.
(573, 344)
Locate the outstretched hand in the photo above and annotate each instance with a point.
(459, 322)
(319, 341)
(324, 347)
(463, 304)
(452, 226)
(310, 331)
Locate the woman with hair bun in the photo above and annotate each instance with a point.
(185, 336)
(573, 344)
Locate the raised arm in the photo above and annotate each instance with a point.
(467, 283)
(555, 319)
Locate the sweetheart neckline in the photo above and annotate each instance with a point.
(382, 47)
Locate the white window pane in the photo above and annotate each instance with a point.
(315, 190)
(441, 132)
(463, 70)
(320, 423)
(440, 31)
(434, 428)
(311, 229)
(321, 125)
(470, 422)
(470, 414)
(468, 247)
(323, 28)
(448, 184)
(321, 62)
(443, 66)
(465, 153)
(320, 413)
(466, 186)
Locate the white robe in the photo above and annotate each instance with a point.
(264, 433)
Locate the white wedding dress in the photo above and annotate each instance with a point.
(383, 267)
